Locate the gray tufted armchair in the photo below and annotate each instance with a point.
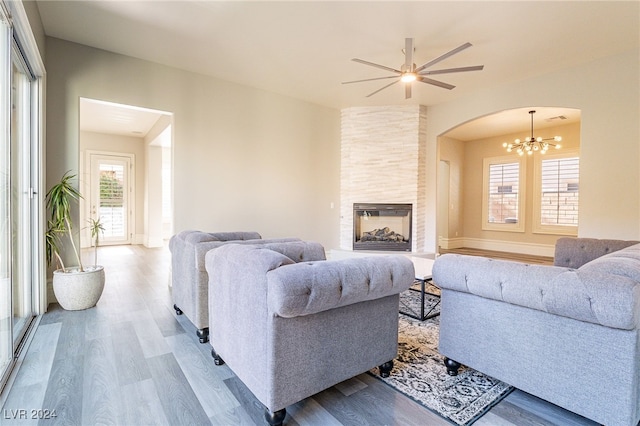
(290, 328)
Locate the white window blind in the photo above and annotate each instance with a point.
(559, 191)
(503, 193)
(112, 209)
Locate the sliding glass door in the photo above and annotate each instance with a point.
(20, 158)
(6, 237)
(22, 196)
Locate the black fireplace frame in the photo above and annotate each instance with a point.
(382, 209)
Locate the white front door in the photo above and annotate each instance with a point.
(111, 197)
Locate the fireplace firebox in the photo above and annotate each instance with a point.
(382, 226)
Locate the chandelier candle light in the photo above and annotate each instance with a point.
(531, 144)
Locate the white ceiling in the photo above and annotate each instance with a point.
(110, 118)
(303, 49)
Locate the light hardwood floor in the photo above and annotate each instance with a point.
(132, 361)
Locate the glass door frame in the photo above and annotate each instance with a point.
(22, 45)
(94, 158)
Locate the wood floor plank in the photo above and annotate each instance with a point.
(351, 386)
(72, 335)
(378, 402)
(249, 402)
(309, 412)
(166, 322)
(493, 419)
(101, 400)
(20, 404)
(181, 406)
(141, 405)
(131, 364)
(64, 388)
(507, 411)
(64, 392)
(151, 339)
(205, 378)
(98, 323)
(36, 366)
(235, 416)
(522, 401)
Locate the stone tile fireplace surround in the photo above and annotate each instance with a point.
(383, 152)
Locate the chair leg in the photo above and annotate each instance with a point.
(203, 334)
(216, 358)
(275, 418)
(385, 369)
(452, 366)
(178, 310)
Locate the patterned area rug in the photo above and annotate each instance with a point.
(410, 300)
(419, 373)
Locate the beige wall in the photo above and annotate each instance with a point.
(453, 152)
(466, 160)
(244, 159)
(606, 91)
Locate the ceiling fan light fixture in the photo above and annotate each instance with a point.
(408, 72)
(408, 77)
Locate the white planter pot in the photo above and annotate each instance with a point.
(78, 290)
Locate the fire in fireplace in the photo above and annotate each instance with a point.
(382, 226)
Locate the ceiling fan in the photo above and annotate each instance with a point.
(409, 73)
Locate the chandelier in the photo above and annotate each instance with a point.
(531, 144)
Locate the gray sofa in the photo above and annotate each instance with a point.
(290, 328)
(188, 275)
(567, 333)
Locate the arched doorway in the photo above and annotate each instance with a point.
(466, 148)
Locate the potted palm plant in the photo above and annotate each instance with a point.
(76, 287)
(96, 228)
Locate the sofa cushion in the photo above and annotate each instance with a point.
(310, 287)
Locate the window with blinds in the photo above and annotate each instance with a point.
(559, 193)
(503, 193)
(112, 205)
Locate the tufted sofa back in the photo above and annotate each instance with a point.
(604, 291)
(575, 252)
(309, 287)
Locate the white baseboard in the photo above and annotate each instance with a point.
(451, 243)
(498, 245)
(154, 243)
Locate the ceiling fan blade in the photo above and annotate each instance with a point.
(376, 65)
(382, 88)
(450, 70)
(435, 82)
(443, 57)
(408, 54)
(407, 91)
(369, 79)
